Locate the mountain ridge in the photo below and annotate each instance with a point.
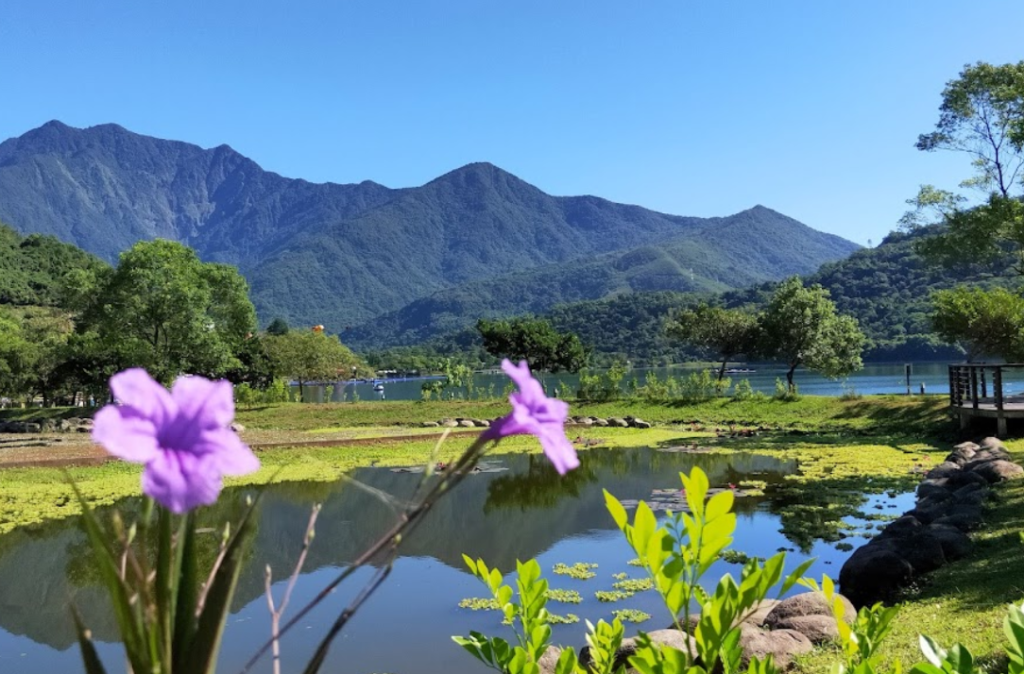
(343, 254)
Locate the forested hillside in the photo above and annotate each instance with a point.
(32, 267)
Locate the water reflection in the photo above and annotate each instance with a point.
(523, 512)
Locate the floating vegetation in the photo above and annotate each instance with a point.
(631, 615)
(620, 576)
(481, 467)
(579, 570)
(567, 619)
(633, 585)
(612, 595)
(635, 562)
(480, 604)
(565, 596)
(737, 557)
(844, 547)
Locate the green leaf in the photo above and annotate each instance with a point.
(616, 510)
(201, 657)
(932, 652)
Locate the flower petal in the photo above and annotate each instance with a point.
(210, 404)
(135, 388)
(529, 388)
(125, 433)
(559, 450)
(228, 453)
(180, 481)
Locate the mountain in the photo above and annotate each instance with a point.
(707, 257)
(346, 254)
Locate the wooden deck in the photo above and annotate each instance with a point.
(970, 386)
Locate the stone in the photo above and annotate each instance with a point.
(805, 604)
(669, 637)
(237, 427)
(450, 423)
(955, 543)
(874, 573)
(963, 517)
(430, 424)
(640, 423)
(761, 612)
(600, 422)
(618, 422)
(929, 487)
(992, 443)
(482, 423)
(901, 527)
(549, 660)
(944, 469)
(999, 470)
(818, 628)
(30, 427)
(782, 645)
(964, 478)
(963, 453)
(466, 423)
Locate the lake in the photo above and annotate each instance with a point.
(521, 510)
(875, 378)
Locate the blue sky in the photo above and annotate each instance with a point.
(694, 108)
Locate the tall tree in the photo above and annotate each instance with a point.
(310, 356)
(165, 310)
(982, 116)
(800, 326)
(535, 341)
(726, 332)
(983, 322)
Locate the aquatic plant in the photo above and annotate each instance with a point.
(631, 615)
(579, 570)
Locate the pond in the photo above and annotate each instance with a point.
(522, 509)
(875, 378)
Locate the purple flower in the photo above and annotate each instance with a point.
(183, 437)
(535, 414)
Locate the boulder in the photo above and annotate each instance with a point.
(640, 423)
(600, 422)
(450, 423)
(467, 423)
(818, 628)
(30, 427)
(962, 517)
(669, 637)
(237, 427)
(929, 487)
(482, 423)
(955, 543)
(944, 469)
(806, 604)
(901, 527)
(430, 424)
(782, 645)
(759, 615)
(964, 478)
(998, 470)
(549, 660)
(618, 422)
(874, 573)
(991, 443)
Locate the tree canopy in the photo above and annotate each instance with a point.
(535, 341)
(800, 326)
(982, 116)
(982, 322)
(311, 356)
(726, 332)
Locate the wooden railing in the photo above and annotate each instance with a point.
(969, 384)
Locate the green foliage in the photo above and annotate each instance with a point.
(982, 115)
(32, 268)
(311, 356)
(981, 322)
(724, 332)
(604, 386)
(278, 327)
(535, 341)
(800, 326)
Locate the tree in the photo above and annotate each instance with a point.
(800, 326)
(278, 326)
(535, 341)
(727, 332)
(311, 356)
(165, 310)
(981, 322)
(982, 115)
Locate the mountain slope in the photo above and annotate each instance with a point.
(32, 267)
(344, 254)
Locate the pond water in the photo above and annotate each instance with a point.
(875, 378)
(521, 510)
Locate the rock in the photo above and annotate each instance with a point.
(584, 421)
(30, 427)
(904, 526)
(669, 637)
(929, 487)
(955, 543)
(759, 615)
(600, 422)
(237, 427)
(640, 423)
(466, 423)
(450, 423)
(782, 645)
(944, 469)
(964, 478)
(874, 573)
(482, 423)
(963, 453)
(48, 425)
(805, 604)
(818, 628)
(549, 660)
(618, 422)
(430, 424)
(998, 470)
(991, 443)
